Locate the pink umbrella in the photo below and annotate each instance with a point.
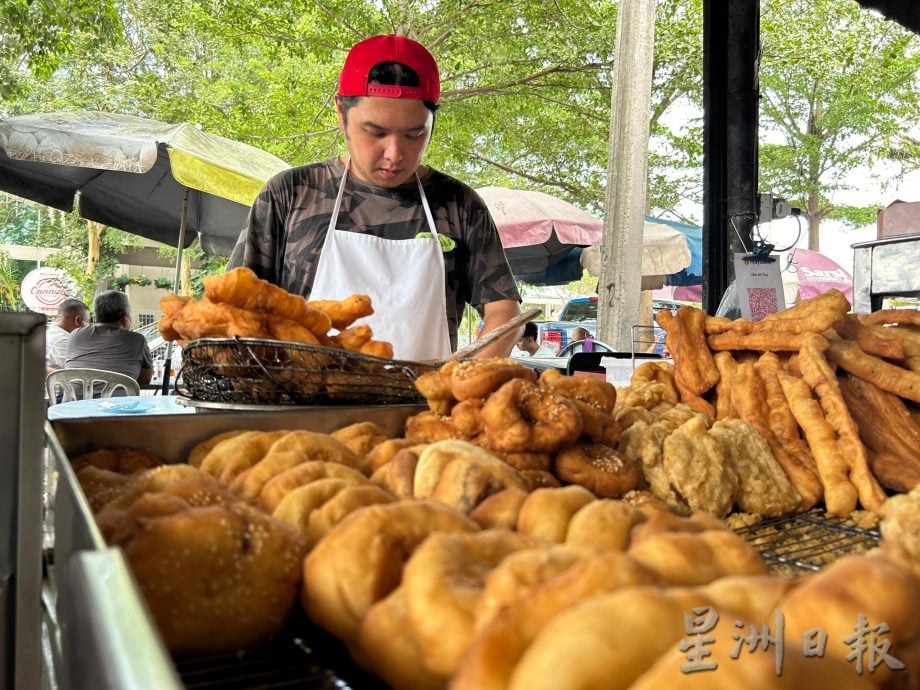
(810, 274)
(538, 230)
(815, 274)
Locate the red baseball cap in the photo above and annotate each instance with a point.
(390, 48)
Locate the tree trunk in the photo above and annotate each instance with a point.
(94, 232)
(814, 221)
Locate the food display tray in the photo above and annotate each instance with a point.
(251, 371)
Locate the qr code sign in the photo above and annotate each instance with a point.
(762, 301)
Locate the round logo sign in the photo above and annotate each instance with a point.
(44, 289)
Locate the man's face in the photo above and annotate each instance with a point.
(386, 139)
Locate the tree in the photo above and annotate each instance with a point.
(39, 36)
(840, 92)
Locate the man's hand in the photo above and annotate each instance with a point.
(494, 315)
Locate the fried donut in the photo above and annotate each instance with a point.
(596, 393)
(519, 461)
(436, 457)
(342, 313)
(539, 479)
(216, 579)
(200, 451)
(443, 580)
(297, 506)
(546, 512)
(388, 647)
(478, 378)
(435, 387)
(598, 467)
(298, 447)
(467, 416)
(521, 417)
(598, 426)
(249, 446)
(429, 427)
(324, 519)
(398, 475)
(123, 460)
(240, 457)
(281, 484)
(499, 645)
(603, 525)
(658, 372)
(101, 486)
(119, 526)
(385, 451)
(519, 573)
(360, 437)
(464, 482)
(500, 509)
(158, 479)
(692, 551)
(361, 560)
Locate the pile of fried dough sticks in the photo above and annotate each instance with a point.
(834, 394)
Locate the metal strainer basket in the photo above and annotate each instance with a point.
(252, 371)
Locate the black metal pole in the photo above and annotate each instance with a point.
(167, 365)
(731, 46)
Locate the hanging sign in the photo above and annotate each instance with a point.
(44, 289)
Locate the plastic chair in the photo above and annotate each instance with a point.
(88, 378)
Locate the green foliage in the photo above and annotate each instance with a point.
(839, 91)
(10, 280)
(39, 36)
(526, 88)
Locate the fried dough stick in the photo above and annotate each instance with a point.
(727, 366)
(819, 375)
(894, 379)
(839, 494)
(875, 342)
(796, 457)
(887, 316)
(763, 340)
(750, 399)
(343, 313)
(243, 289)
(694, 368)
(910, 340)
(888, 430)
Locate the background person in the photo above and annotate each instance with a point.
(72, 314)
(378, 222)
(584, 335)
(528, 342)
(108, 344)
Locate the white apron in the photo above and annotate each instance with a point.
(405, 279)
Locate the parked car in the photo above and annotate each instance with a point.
(582, 311)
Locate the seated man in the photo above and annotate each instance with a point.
(72, 314)
(529, 345)
(108, 344)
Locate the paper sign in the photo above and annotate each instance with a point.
(760, 287)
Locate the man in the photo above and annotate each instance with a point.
(528, 342)
(72, 314)
(583, 335)
(109, 344)
(378, 222)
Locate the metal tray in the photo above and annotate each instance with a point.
(98, 604)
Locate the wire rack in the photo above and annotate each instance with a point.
(807, 542)
(250, 371)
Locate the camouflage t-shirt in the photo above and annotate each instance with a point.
(287, 225)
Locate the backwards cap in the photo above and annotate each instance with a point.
(364, 56)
